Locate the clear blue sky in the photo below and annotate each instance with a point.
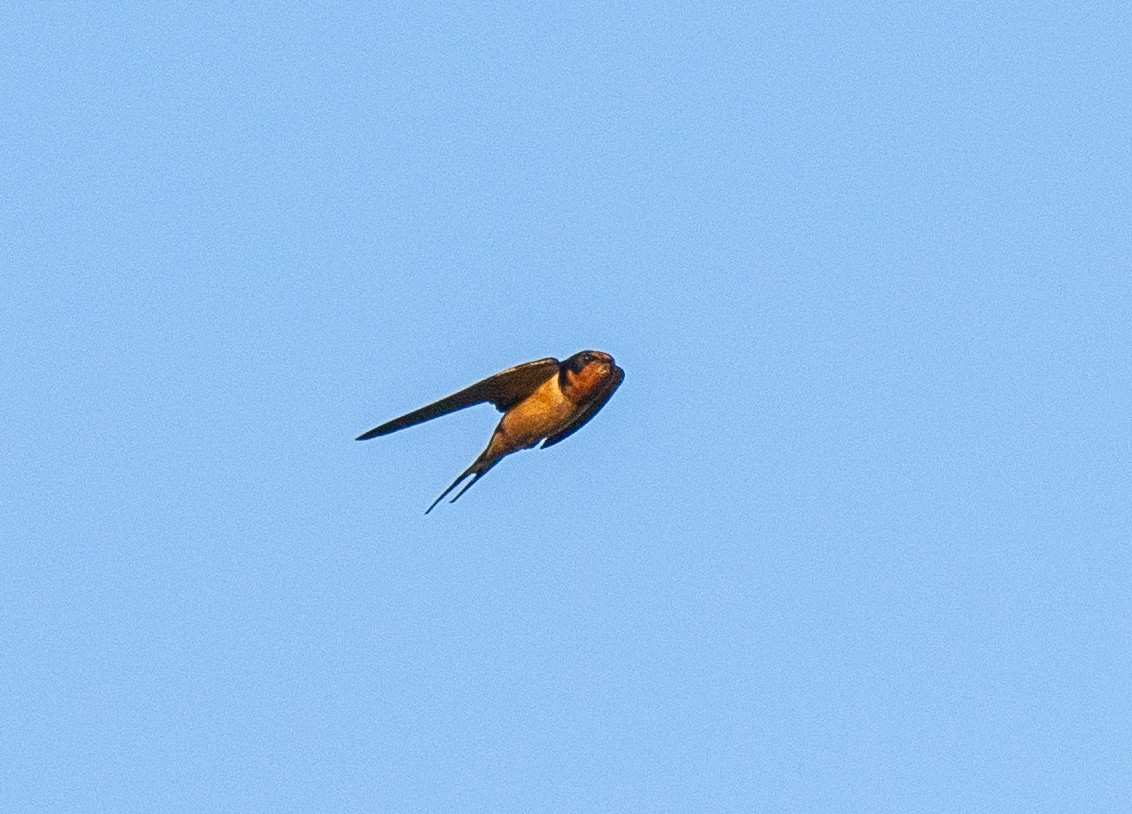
(853, 536)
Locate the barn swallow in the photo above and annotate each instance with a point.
(540, 400)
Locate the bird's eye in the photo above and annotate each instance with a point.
(587, 358)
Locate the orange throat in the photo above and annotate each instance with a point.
(580, 387)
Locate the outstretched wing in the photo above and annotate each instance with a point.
(504, 390)
(589, 411)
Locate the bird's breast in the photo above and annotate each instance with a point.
(539, 415)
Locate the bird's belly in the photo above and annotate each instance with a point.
(536, 418)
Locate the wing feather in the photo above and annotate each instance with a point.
(589, 411)
(504, 390)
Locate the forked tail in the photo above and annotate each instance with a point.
(477, 470)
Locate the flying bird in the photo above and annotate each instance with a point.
(547, 399)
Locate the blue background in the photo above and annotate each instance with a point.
(853, 535)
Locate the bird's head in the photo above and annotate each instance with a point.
(585, 372)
